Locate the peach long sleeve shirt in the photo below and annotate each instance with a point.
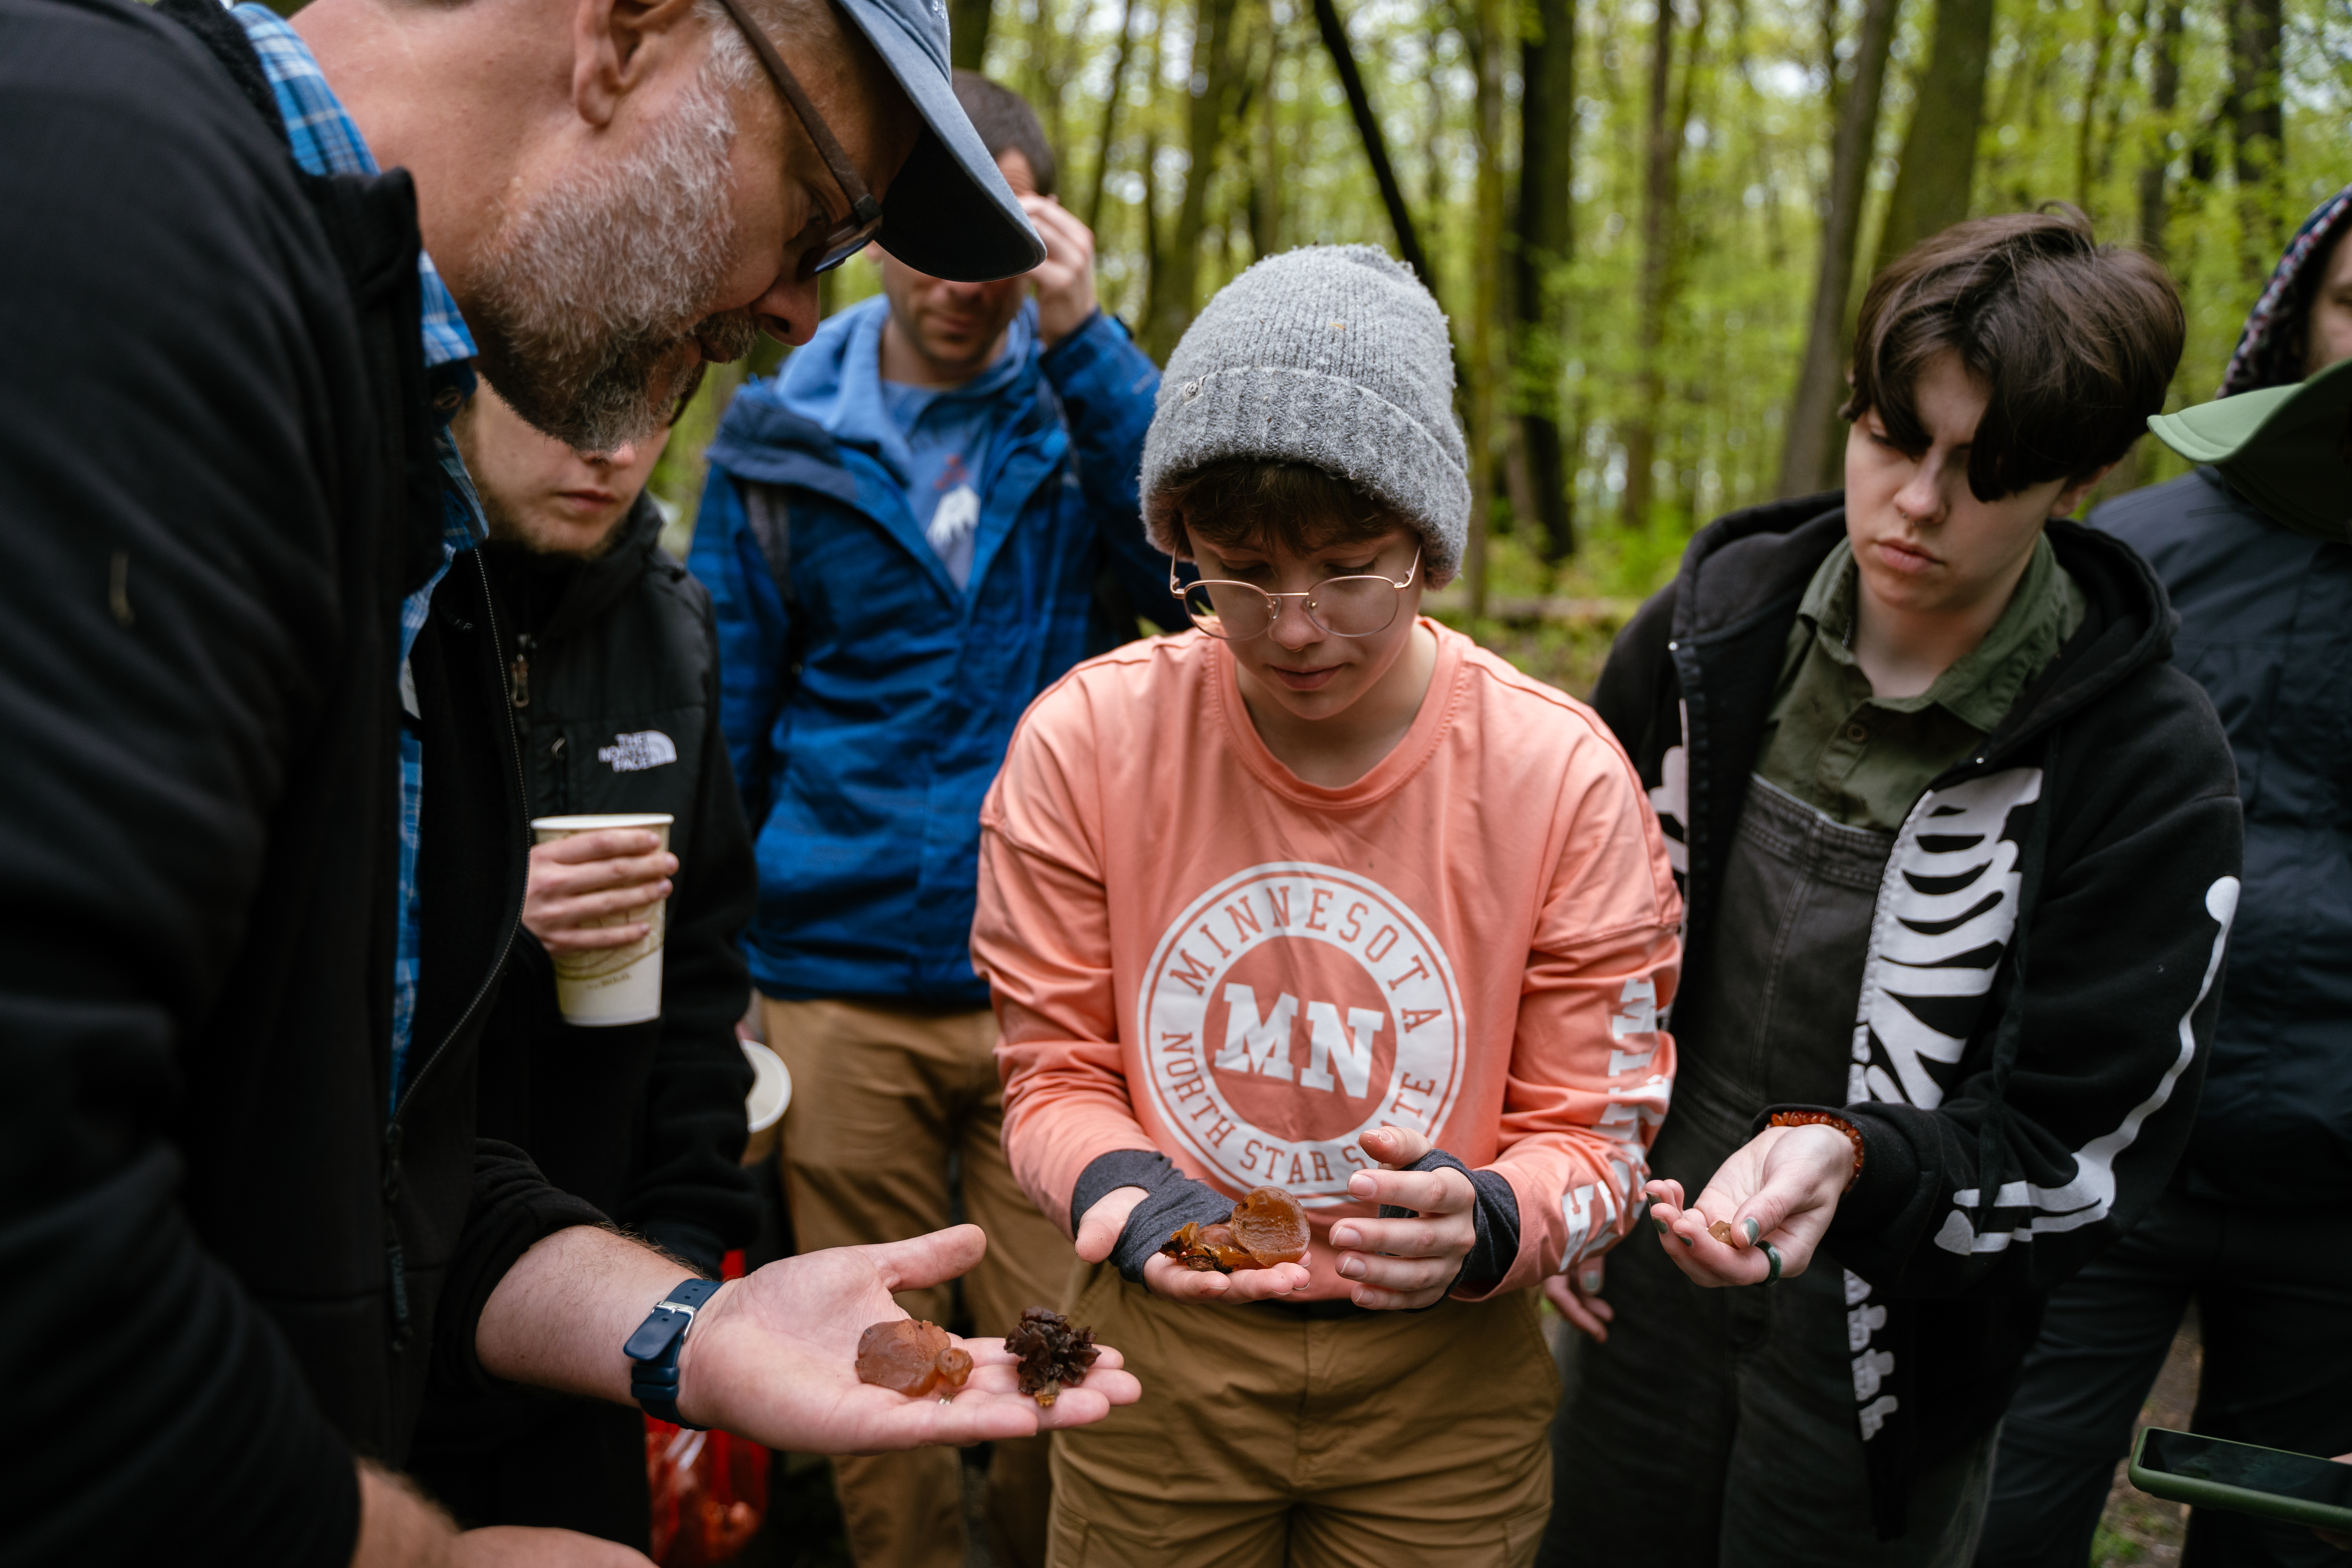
(1191, 950)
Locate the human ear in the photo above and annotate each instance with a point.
(2072, 496)
(616, 46)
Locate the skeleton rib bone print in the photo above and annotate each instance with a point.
(1945, 911)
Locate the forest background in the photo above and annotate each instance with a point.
(1650, 221)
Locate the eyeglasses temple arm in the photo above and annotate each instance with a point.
(862, 208)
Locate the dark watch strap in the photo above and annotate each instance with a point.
(653, 1350)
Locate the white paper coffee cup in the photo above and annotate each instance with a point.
(612, 984)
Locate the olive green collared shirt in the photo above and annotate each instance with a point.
(1863, 760)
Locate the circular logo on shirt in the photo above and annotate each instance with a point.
(1288, 1008)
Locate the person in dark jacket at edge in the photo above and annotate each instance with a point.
(263, 847)
(2255, 1227)
(920, 525)
(614, 670)
(1961, 850)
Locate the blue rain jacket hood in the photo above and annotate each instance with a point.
(867, 701)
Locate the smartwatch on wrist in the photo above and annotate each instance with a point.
(653, 1350)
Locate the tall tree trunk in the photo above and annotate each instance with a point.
(1368, 129)
(1266, 173)
(1155, 256)
(1436, 23)
(1111, 114)
(2257, 132)
(1376, 153)
(2155, 156)
(1545, 230)
(1669, 124)
(1940, 147)
(1486, 302)
(968, 32)
(1212, 78)
(1810, 458)
(2103, 25)
(1053, 59)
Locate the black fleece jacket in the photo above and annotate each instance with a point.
(223, 1270)
(2072, 1096)
(614, 669)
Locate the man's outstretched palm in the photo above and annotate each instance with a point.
(775, 1358)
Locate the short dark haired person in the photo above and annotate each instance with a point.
(2264, 595)
(615, 673)
(263, 844)
(908, 533)
(1960, 848)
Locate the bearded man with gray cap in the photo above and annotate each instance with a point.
(266, 797)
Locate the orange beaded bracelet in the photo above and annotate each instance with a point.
(1823, 1119)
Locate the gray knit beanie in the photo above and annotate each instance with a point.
(1333, 355)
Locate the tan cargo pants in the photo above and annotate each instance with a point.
(880, 1097)
(1266, 1439)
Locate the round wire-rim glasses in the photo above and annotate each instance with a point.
(1361, 605)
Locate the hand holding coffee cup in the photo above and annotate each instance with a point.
(578, 883)
(596, 902)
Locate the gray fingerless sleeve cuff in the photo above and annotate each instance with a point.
(1175, 1200)
(1495, 1218)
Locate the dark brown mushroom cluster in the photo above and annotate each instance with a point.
(1055, 1353)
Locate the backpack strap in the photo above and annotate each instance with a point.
(770, 522)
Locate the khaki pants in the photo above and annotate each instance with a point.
(880, 1098)
(1265, 1438)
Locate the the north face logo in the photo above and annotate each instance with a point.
(638, 751)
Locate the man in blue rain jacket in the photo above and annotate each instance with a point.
(917, 527)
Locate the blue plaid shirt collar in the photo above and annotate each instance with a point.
(327, 142)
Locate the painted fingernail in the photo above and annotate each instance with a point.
(1592, 1282)
(1750, 1230)
(1659, 1223)
(1721, 1231)
(1686, 1240)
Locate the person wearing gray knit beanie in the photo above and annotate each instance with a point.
(1318, 917)
(1333, 355)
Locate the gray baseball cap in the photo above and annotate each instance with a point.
(2288, 449)
(950, 212)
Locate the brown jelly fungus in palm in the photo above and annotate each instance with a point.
(1266, 1227)
(1271, 1225)
(1721, 1231)
(912, 1358)
(1054, 1353)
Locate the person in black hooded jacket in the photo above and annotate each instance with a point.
(613, 670)
(1960, 851)
(2266, 628)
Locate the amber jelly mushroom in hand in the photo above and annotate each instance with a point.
(912, 1358)
(1266, 1227)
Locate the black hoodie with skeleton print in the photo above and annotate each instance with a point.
(2039, 997)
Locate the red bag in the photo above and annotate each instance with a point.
(709, 1489)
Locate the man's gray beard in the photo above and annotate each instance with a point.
(590, 289)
